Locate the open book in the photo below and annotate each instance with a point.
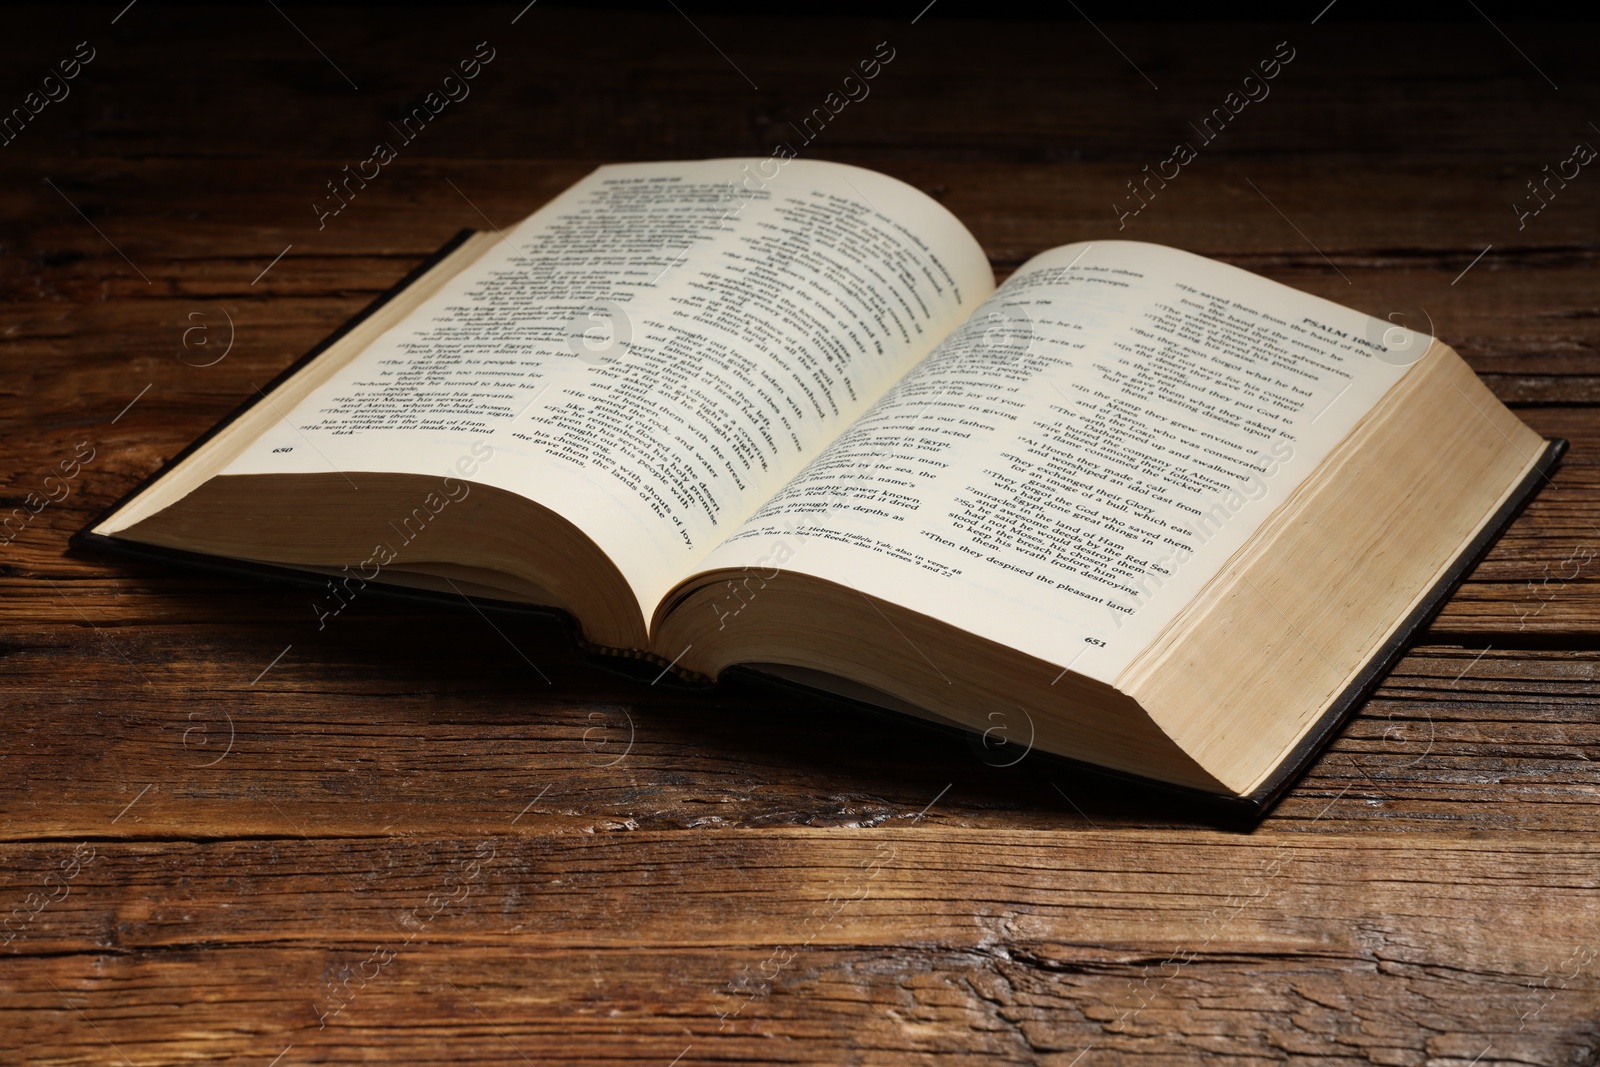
(775, 414)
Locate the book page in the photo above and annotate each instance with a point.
(653, 353)
(1066, 471)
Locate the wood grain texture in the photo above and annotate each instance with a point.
(420, 836)
(806, 946)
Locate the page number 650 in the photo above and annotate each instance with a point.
(285, 448)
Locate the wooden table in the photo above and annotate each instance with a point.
(422, 836)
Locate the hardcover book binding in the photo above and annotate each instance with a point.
(463, 254)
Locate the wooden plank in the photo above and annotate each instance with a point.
(804, 946)
(223, 707)
(1016, 209)
(1526, 321)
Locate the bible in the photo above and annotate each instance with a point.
(774, 416)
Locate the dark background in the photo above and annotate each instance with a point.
(1028, 82)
